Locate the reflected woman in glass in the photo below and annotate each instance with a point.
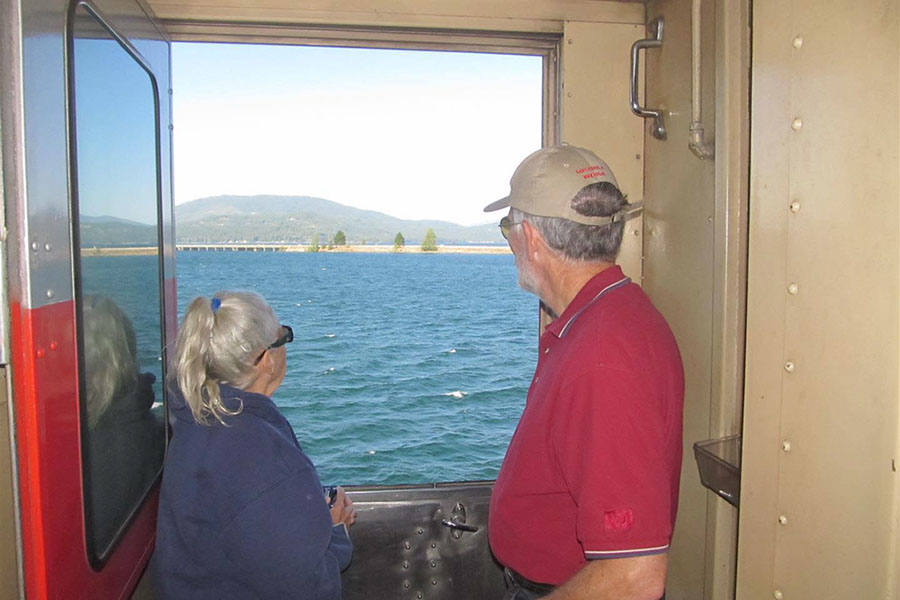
(241, 511)
(124, 438)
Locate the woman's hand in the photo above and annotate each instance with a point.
(343, 511)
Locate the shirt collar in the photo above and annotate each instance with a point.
(585, 296)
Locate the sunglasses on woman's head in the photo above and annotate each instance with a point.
(287, 336)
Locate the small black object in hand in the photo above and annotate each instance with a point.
(331, 492)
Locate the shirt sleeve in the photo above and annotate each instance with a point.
(609, 438)
(284, 542)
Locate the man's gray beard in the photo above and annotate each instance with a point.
(526, 278)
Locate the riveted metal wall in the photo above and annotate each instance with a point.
(819, 503)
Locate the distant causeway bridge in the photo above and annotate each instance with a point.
(234, 247)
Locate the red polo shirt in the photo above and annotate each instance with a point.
(592, 470)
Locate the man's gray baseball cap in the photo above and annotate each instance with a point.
(545, 183)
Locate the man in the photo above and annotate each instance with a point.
(585, 501)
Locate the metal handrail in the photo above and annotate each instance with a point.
(656, 29)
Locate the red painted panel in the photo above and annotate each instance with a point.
(45, 388)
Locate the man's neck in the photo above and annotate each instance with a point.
(566, 280)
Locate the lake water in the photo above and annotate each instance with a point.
(405, 368)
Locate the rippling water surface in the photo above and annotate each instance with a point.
(405, 368)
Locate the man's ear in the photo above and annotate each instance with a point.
(535, 244)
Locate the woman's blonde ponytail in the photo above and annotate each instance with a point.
(216, 344)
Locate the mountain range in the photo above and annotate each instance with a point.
(280, 219)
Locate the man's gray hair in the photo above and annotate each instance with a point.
(591, 243)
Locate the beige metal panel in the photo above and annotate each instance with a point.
(825, 136)
(9, 573)
(596, 115)
(498, 15)
(679, 244)
(769, 199)
(732, 145)
(362, 37)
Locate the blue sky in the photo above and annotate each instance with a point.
(412, 134)
(116, 135)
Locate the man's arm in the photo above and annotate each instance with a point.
(639, 578)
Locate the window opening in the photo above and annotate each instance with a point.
(117, 241)
(408, 366)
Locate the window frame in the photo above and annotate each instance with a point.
(546, 45)
(97, 558)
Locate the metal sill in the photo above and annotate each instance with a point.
(719, 463)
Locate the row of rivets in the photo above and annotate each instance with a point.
(792, 289)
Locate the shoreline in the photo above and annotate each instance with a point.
(349, 249)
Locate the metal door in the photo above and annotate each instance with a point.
(423, 541)
(60, 558)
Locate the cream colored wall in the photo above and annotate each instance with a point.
(491, 15)
(596, 115)
(819, 516)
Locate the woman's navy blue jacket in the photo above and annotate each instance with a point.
(241, 511)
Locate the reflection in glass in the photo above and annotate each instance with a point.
(115, 125)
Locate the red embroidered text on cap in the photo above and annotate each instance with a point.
(591, 171)
(618, 520)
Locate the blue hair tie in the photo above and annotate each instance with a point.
(215, 303)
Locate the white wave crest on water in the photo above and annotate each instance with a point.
(457, 394)
(328, 370)
(371, 452)
(330, 335)
(451, 351)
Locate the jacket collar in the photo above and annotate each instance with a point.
(232, 398)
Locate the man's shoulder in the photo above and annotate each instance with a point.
(627, 335)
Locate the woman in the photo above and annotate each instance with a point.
(241, 511)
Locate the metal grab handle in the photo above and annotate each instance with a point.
(459, 526)
(659, 128)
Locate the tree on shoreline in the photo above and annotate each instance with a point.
(429, 244)
(314, 246)
(340, 239)
(399, 242)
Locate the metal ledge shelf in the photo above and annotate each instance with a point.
(719, 463)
